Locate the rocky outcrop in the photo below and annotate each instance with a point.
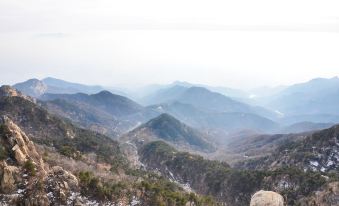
(19, 143)
(267, 198)
(24, 177)
(8, 91)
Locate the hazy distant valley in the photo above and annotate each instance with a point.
(179, 144)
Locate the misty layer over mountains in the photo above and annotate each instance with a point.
(308, 105)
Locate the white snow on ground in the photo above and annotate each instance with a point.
(135, 201)
(186, 187)
(172, 176)
(20, 191)
(330, 163)
(314, 163)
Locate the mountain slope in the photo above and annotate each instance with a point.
(150, 91)
(103, 112)
(205, 100)
(215, 121)
(318, 96)
(169, 129)
(113, 104)
(25, 177)
(305, 126)
(230, 186)
(50, 130)
(32, 87)
(97, 171)
(318, 151)
(36, 87)
(59, 86)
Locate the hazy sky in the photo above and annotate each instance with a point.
(241, 44)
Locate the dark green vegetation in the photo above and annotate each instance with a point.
(3, 153)
(232, 186)
(4, 132)
(30, 167)
(170, 129)
(152, 190)
(51, 131)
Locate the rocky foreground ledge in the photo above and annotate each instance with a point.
(24, 177)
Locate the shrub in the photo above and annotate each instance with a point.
(3, 153)
(30, 167)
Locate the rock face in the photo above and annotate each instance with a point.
(267, 198)
(19, 143)
(8, 91)
(24, 177)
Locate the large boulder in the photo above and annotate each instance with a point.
(267, 198)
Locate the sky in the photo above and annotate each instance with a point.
(242, 44)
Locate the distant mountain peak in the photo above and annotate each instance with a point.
(200, 89)
(36, 88)
(104, 93)
(166, 127)
(32, 87)
(34, 80)
(164, 116)
(164, 120)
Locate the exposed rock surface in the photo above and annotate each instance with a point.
(24, 177)
(267, 198)
(8, 91)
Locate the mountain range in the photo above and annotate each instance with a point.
(193, 105)
(204, 99)
(46, 160)
(317, 97)
(49, 143)
(36, 87)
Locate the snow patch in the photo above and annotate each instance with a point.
(314, 163)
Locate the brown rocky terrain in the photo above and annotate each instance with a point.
(25, 178)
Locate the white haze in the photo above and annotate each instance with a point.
(242, 44)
